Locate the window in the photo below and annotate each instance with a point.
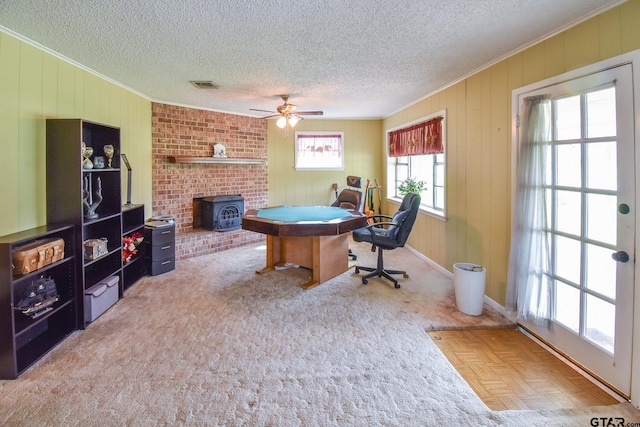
(319, 150)
(429, 168)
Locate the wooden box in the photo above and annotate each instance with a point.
(95, 248)
(36, 255)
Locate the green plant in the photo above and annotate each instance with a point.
(411, 185)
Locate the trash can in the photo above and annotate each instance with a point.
(469, 281)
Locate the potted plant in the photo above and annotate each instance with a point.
(411, 185)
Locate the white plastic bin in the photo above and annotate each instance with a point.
(99, 297)
(469, 281)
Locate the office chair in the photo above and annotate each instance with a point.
(351, 198)
(388, 233)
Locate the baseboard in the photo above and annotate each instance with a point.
(492, 303)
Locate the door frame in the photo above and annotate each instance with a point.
(632, 58)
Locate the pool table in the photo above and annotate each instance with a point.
(314, 237)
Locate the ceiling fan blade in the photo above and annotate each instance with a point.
(309, 113)
(264, 111)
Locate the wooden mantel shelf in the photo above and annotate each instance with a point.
(216, 160)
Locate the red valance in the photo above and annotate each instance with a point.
(418, 139)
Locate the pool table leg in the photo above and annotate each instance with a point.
(330, 258)
(326, 256)
(273, 254)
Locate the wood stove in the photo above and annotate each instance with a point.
(218, 213)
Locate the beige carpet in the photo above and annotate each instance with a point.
(212, 343)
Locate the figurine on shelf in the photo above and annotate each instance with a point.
(219, 150)
(109, 151)
(87, 197)
(98, 162)
(86, 153)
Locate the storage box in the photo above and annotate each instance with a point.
(95, 248)
(37, 254)
(99, 297)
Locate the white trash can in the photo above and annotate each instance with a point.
(469, 281)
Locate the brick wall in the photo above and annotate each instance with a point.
(181, 131)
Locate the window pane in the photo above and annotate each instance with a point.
(402, 173)
(439, 174)
(548, 175)
(569, 167)
(568, 306)
(601, 271)
(421, 168)
(568, 212)
(549, 206)
(568, 259)
(602, 217)
(602, 165)
(601, 113)
(568, 118)
(439, 198)
(600, 322)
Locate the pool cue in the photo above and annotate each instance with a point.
(367, 212)
(379, 197)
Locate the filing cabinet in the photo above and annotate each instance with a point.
(161, 248)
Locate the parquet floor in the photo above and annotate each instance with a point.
(508, 370)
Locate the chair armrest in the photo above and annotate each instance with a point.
(374, 237)
(380, 216)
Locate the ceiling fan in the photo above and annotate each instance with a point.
(287, 113)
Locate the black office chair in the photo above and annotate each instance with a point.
(388, 233)
(351, 198)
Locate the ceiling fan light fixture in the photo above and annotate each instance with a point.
(293, 120)
(282, 122)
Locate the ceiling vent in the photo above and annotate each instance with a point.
(204, 84)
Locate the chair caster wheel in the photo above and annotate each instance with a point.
(405, 275)
(357, 270)
(397, 286)
(365, 281)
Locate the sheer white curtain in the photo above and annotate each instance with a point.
(528, 287)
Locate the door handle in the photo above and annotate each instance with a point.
(620, 256)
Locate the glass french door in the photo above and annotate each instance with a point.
(590, 195)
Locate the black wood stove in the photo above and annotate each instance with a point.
(219, 213)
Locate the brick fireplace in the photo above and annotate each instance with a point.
(189, 132)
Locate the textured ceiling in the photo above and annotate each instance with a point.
(349, 58)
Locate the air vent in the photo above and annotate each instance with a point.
(204, 84)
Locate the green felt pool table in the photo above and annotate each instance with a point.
(314, 237)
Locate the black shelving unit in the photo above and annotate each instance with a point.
(67, 184)
(133, 222)
(25, 339)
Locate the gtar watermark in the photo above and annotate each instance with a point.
(612, 422)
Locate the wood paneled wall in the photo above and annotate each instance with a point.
(362, 157)
(479, 141)
(34, 86)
